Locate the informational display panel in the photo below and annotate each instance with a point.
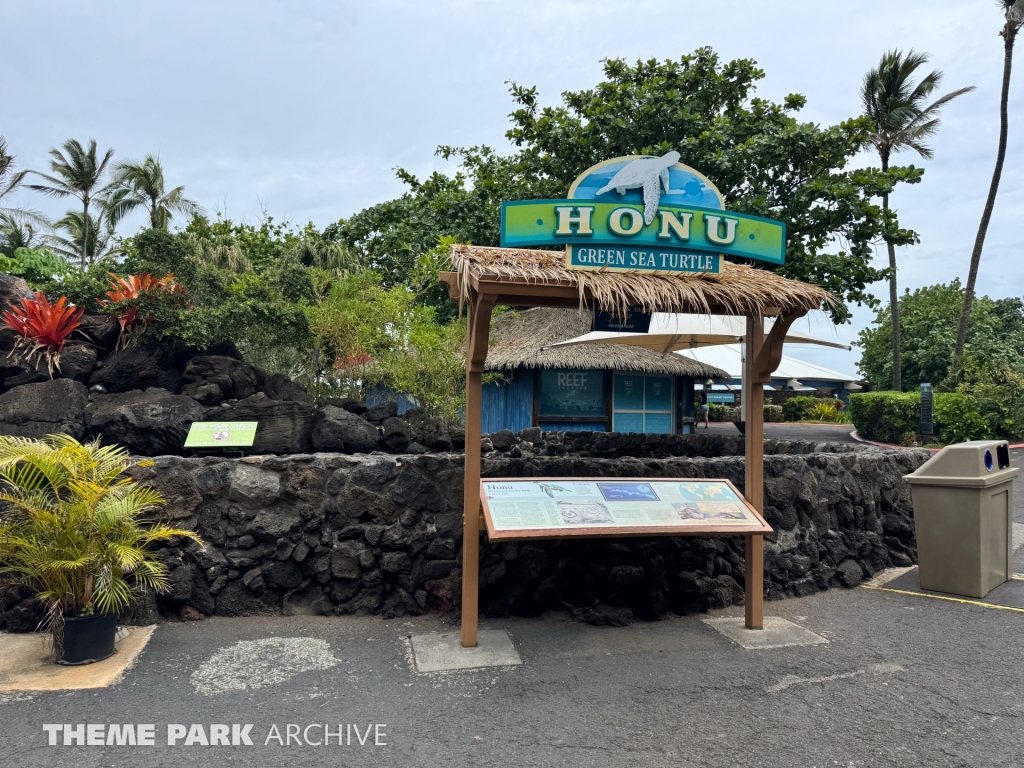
(221, 434)
(555, 507)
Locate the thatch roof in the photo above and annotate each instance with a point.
(736, 290)
(518, 338)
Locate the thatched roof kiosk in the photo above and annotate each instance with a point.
(486, 277)
(519, 338)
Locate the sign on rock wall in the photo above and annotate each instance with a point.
(652, 214)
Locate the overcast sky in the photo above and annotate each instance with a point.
(306, 108)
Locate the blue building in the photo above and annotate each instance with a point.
(604, 388)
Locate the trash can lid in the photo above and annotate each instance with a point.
(975, 464)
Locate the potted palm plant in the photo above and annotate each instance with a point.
(73, 529)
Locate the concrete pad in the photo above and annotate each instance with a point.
(25, 664)
(777, 633)
(1018, 536)
(444, 652)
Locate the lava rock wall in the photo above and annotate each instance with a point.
(336, 534)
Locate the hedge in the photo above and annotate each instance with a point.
(888, 416)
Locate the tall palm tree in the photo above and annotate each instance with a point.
(142, 185)
(1013, 18)
(89, 238)
(77, 172)
(903, 120)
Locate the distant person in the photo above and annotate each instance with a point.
(702, 407)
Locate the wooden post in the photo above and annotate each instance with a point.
(753, 394)
(476, 353)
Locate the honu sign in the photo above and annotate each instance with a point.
(643, 213)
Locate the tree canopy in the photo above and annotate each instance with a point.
(929, 318)
(763, 159)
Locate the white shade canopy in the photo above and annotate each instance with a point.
(794, 372)
(670, 333)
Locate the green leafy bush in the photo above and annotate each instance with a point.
(798, 408)
(889, 416)
(37, 265)
(957, 418)
(773, 412)
(885, 416)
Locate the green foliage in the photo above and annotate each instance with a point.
(38, 266)
(81, 287)
(885, 416)
(73, 526)
(773, 413)
(825, 412)
(957, 418)
(928, 323)
(378, 336)
(889, 416)
(799, 408)
(764, 161)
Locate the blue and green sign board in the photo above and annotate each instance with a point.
(650, 214)
(221, 434)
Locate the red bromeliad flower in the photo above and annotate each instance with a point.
(126, 289)
(44, 327)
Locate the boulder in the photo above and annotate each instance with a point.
(13, 289)
(49, 407)
(149, 365)
(350, 405)
(284, 426)
(235, 378)
(149, 423)
(225, 348)
(205, 392)
(100, 330)
(77, 362)
(382, 411)
(279, 387)
(432, 432)
(335, 429)
(397, 434)
(17, 371)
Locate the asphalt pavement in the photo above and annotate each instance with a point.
(902, 681)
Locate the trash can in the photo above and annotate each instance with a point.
(963, 513)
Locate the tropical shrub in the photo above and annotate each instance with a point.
(797, 408)
(825, 411)
(885, 416)
(43, 327)
(37, 265)
(773, 412)
(889, 416)
(72, 527)
(131, 299)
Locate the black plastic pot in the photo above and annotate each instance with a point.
(88, 638)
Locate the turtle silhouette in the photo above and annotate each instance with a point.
(646, 172)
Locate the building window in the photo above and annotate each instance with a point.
(643, 403)
(573, 393)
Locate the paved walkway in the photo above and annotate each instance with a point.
(902, 681)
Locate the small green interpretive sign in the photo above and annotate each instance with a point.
(221, 434)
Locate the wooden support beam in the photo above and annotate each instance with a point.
(753, 393)
(480, 307)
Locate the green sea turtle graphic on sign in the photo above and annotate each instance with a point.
(550, 488)
(646, 173)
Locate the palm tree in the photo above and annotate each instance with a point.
(142, 185)
(78, 173)
(89, 238)
(16, 233)
(903, 120)
(10, 181)
(1013, 15)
